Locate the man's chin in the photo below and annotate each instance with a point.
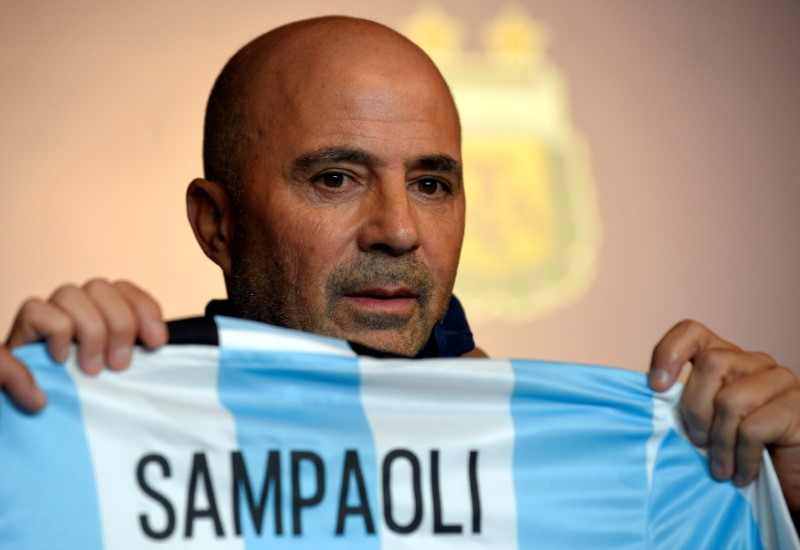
(397, 326)
(399, 335)
(388, 341)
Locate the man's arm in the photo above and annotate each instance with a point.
(736, 403)
(104, 318)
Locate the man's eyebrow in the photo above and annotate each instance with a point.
(331, 155)
(439, 163)
(308, 162)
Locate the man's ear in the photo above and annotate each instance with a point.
(211, 215)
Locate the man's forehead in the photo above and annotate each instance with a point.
(361, 110)
(371, 91)
(357, 83)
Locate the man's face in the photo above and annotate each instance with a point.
(351, 217)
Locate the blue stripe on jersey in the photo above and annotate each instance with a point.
(580, 455)
(317, 438)
(688, 489)
(47, 454)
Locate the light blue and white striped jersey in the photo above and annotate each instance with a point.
(279, 439)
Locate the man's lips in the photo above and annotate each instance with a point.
(381, 293)
(383, 300)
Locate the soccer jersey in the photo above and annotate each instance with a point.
(279, 439)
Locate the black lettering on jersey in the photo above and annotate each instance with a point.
(474, 492)
(298, 501)
(272, 477)
(416, 485)
(352, 468)
(439, 527)
(200, 474)
(308, 486)
(169, 510)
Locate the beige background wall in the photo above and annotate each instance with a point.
(690, 110)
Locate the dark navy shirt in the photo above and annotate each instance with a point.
(451, 337)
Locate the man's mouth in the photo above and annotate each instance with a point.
(383, 300)
(381, 293)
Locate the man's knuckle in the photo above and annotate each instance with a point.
(96, 284)
(92, 330)
(686, 324)
(787, 377)
(121, 326)
(785, 384)
(64, 291)
(728, 403)
(62, 325)
(30, 307)
(715, 362)
(763, 358)
(124, 285)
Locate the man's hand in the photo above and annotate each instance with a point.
(104, 318)
(735, 403)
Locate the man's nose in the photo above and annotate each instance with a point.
(390, 223)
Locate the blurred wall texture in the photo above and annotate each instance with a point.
(687, 112)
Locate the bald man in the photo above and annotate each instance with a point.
(341, 209)
(334, 203)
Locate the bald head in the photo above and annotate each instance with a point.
(292, 64)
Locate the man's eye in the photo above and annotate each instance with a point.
(431, 186)
(332, 180)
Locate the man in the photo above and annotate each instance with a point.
(333, 203)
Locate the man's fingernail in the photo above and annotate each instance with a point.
(38, 397)
(155, 329)
(121, 357)
(717, 471)
(660, 377)
(698, 437)
(94, 364)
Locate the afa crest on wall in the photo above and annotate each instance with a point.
(533, 229)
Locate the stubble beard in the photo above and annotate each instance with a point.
(268, 293)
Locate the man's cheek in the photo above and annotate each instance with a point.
(318, 230)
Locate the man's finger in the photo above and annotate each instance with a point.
(676, 348)
(119, 319)
(39, 320)
(733, 404)
(776, 423)
(712, 385)
(152, 330)
(18, 383)
(90, 327)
